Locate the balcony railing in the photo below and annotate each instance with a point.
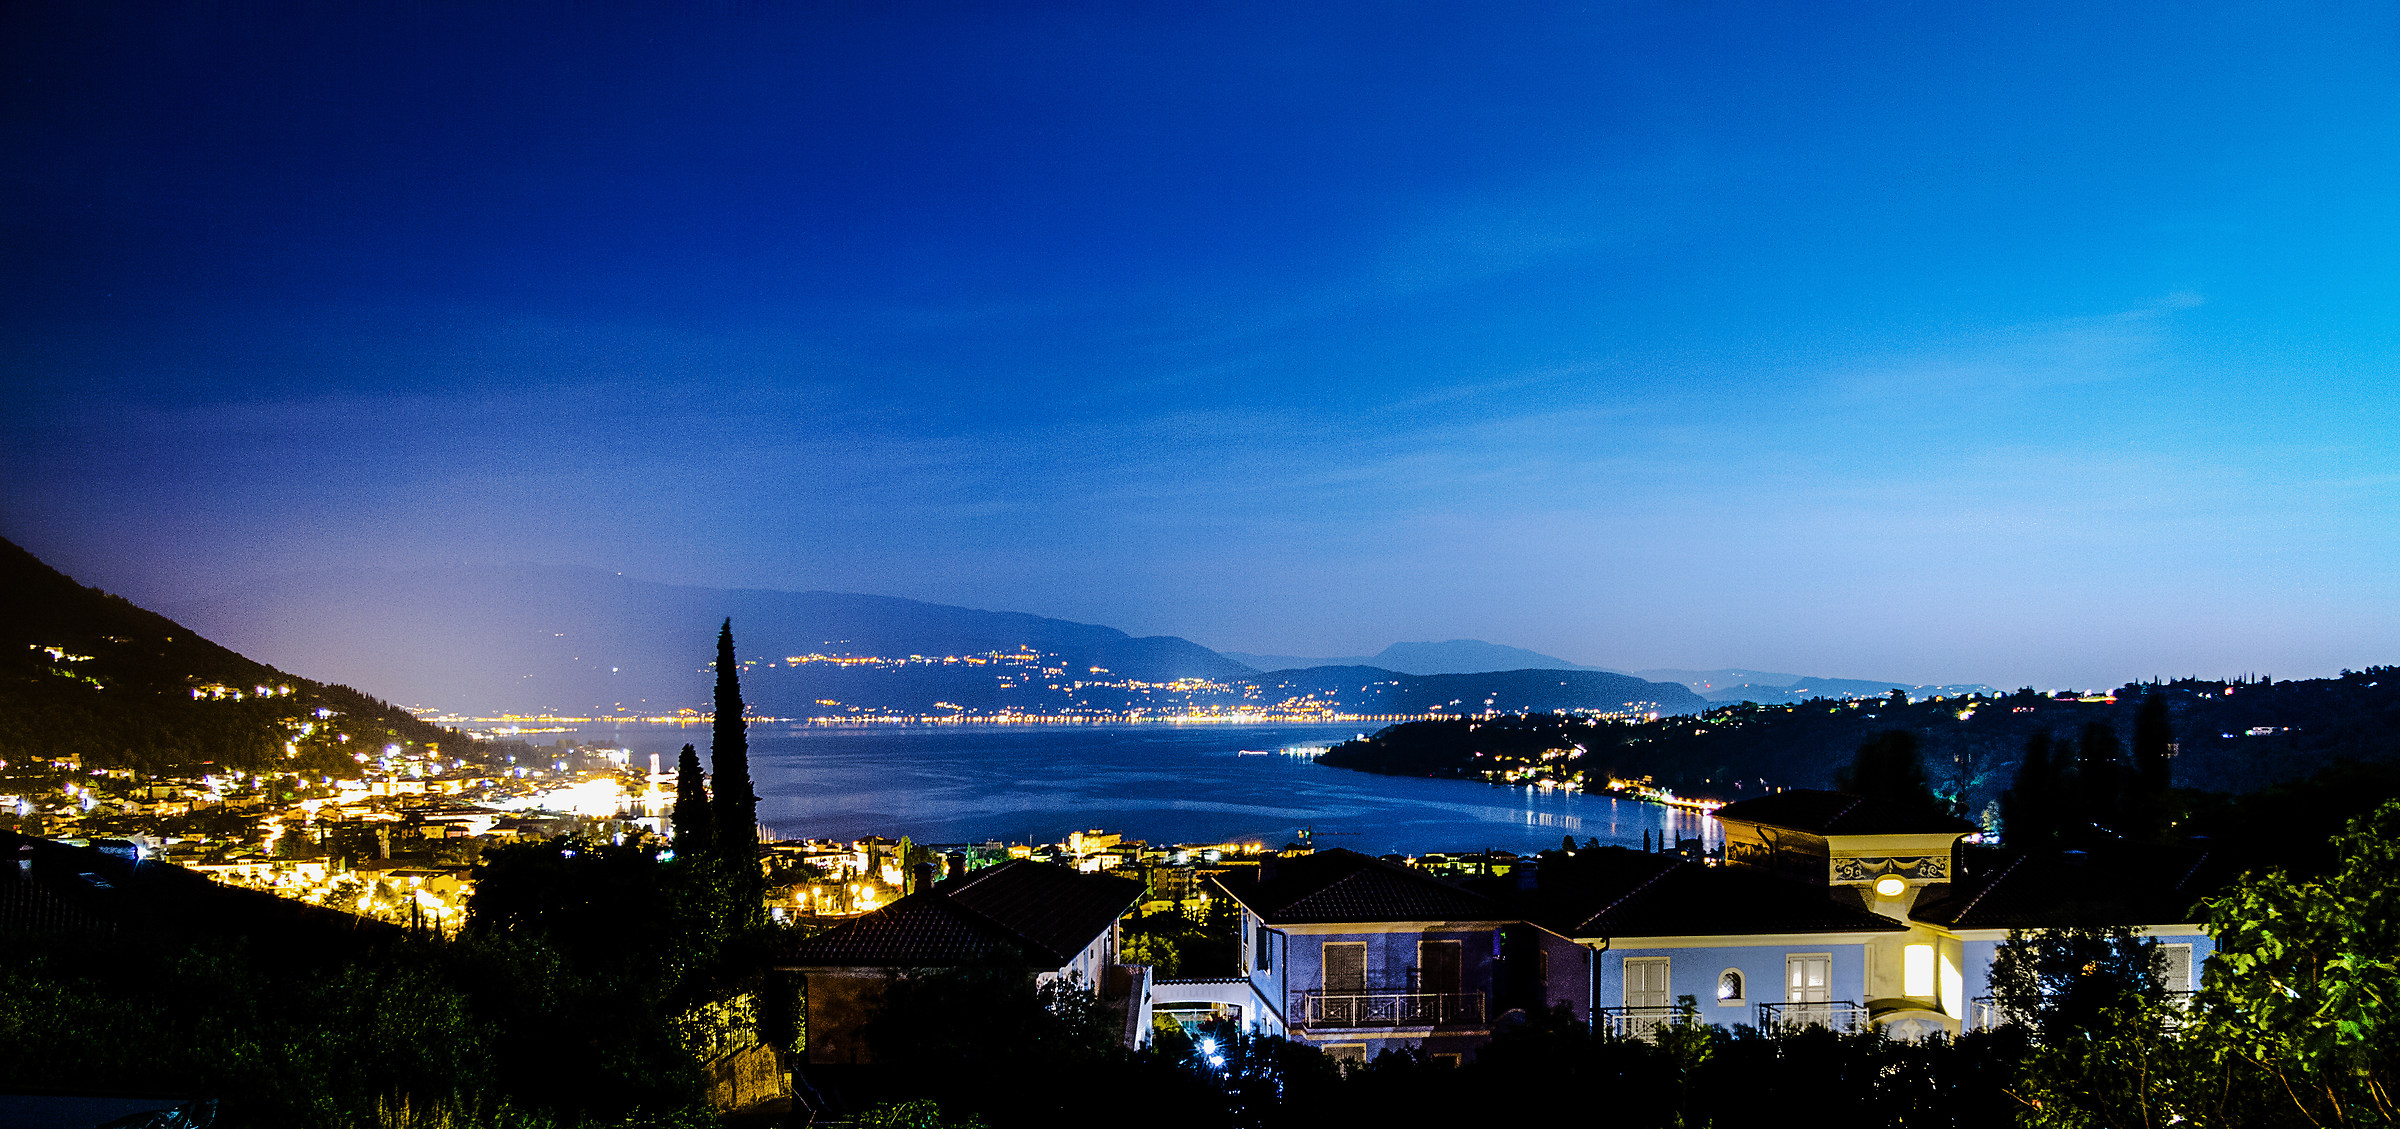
(1838, 1015)
(1985, 1012)
(1387, 1009)
(1644, 1022)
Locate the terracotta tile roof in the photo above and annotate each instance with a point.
(1839, 813)
(1337, 886)
(1055, 908)
(2116, 884)
(1044, 911)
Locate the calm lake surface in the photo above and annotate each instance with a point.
(1163, 783)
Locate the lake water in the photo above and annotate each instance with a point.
(1163, 783)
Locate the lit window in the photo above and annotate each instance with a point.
(1729, 987)
(1916, 970)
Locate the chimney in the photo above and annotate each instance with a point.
(954, 865)
(920, 877)
(1266, 868)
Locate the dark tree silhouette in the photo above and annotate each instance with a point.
(2101, 779)
(2030, 811)
(737, 802)
(695, 825)
(2153, 768)
(1888, 767)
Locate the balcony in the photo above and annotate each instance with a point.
(1985, 1012)
(1843, 1016)
(1644, 1023)
(1321, 1009)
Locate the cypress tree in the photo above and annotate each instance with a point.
(737, 803)
(694, 823)
(2153, 770)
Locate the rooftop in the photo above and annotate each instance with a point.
(1046, 912)
(1336, 886)
(1627, 894)
(2117, 884)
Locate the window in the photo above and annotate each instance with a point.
(1265, 948)
(1808, 979)
(2178, 961)
(1954, 988)
(1450, 1061)
(1346, 967)
(1916, 971)
(1729, 986)
(1646, 982)
(1438, 966)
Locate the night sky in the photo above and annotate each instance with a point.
(2019, 343)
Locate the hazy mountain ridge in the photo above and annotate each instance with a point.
(1770, 688)
(1451, 656)
(582, 642)
(575, 640)
(1373, 690)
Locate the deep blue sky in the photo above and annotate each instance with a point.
(2008, 342)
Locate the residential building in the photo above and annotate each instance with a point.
(1358, 956)
(1058, 921)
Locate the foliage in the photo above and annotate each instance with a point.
(399, 1034)
(2068, 982)
(1175, 943)
(915, 1114)
(2305, 986)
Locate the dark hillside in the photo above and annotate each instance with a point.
(89, 675)
(2231, 736)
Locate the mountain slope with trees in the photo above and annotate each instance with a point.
(91, 676)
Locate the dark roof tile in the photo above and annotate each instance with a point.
(1690, 900)
(1338, 886)
(1043, 911)
(2116, 884)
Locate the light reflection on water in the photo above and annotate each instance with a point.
(1163, 783)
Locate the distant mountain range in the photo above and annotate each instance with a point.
(582, 642)
(1455, 656)
(1768, 688)
(1466, 656)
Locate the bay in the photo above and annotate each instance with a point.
(1163, 783)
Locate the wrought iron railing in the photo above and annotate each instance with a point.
(1985, 1012)
(1644, 1022)
(1316, 1008)
(1836, 1015)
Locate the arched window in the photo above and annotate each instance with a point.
(1729, 987)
